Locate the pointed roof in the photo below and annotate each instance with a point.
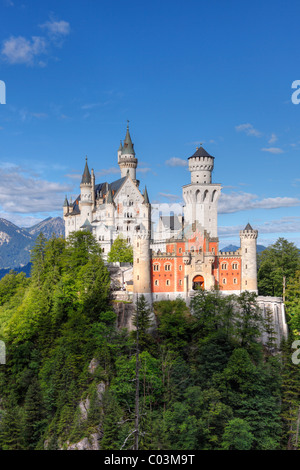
(121, 146)
(146, 197)
(87, 225)
(201, 152)
(128, 145)
(248, 227)
(86, 177)
(109, 199)
(66, 203)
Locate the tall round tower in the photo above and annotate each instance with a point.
(201, 195)
(126, 157)
(248, 238)
(142, 253)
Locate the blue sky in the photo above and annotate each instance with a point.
(182, 72)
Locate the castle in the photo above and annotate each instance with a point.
(180, 253)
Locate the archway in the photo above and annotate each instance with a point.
(198, 283)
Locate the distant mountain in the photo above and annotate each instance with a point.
(230, 248)
(16, 242)
(48, 227)
(259, 248)
(25, 269)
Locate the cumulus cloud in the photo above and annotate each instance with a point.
(274, 150)
(19, 50)
(174, 161)
(248, 129)
(22, 193)
(283, 225)
(22, 50)
(235, 202)
(56, 29)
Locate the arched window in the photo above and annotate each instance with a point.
(156, 267)
(168, 282)
(224, 280)
(234, 266)
(224, 266)
(156, 282)
(167, 267)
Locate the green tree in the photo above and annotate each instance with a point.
(120, 251)
(279, 260)
(142, 317)
(237, 435)
(33, 423)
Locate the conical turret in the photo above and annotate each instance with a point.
(126, 157)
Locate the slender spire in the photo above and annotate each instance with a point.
(146, 197)
(86, 177)
(128, 145)
(121, 146)
(109, 199)
(66, 203)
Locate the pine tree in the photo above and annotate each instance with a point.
(33, 423)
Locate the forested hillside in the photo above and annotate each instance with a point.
(205, 381)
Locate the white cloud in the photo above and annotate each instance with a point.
(283, 225)
(248, 129)
(275, 150)
(24, 194)
(19, 50)
(170, 197)
(174, 161)
(273, 138)
(57, 29)
(236, 202)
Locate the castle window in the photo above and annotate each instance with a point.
(167, 267)
(234, 266)
(137, 278)
(180, 282)
(246, 250)
(234, 281)
(156, 267)
(224, 266)
(168, 282)
(224, 280)
(180, 267)
(137, 260)
(156, 283)
(245, 283)
(180, 250)
(246, 266)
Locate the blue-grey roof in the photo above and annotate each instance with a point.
(201, 152)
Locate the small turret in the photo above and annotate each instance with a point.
(66, 206)
(126, 157)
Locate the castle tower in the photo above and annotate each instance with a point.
(66, 206)
(86, 199)
(201, 195)
(126, 157)
(110, 208)
(248, 238)
(142, 253)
